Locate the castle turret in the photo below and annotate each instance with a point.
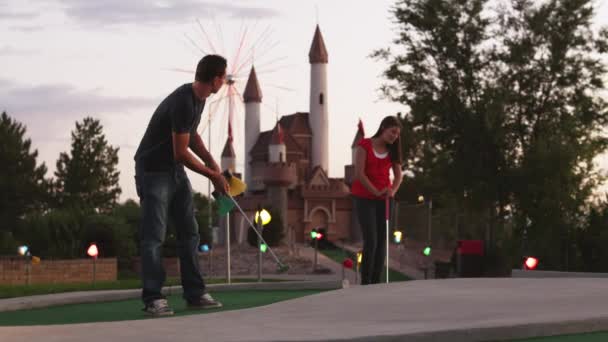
(278, 174)
(228, 156)
(253, 99)
(358, 136)
(276, 149)
(349, 170)
(318, 116)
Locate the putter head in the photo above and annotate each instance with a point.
(282, 268)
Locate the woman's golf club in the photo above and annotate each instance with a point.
(386, 215)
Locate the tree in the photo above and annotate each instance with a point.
(446, 77)
(129, 212)
(592, 240)
(23, 188)
(87, 178)
(112, 235)
(57, 233)
(554, 75)
(503, 98)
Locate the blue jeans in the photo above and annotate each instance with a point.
(372, 220)
(163, 196)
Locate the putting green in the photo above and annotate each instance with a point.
(131, 309)
(590, 337)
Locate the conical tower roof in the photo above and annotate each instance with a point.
(252, 91)
(318, 52)
(359, 135)
(228, 151)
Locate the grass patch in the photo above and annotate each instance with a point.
(12, 291)
(131, 309)
(588, 337)
(338, 255)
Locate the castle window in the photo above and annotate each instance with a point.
(321, 98)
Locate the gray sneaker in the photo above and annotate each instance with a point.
(204, 302)
(158, 307)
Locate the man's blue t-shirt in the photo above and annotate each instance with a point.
(181, 113)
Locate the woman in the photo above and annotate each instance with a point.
(374, 158)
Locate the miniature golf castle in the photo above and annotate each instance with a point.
(286, 168)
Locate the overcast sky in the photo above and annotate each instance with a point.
(115, 60)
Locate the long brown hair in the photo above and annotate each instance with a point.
(394, 149)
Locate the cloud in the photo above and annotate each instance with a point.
(8, 50)
(27, 28)
(116, 12)
(6, 14)
(64, 100)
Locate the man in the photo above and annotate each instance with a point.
(171, 142)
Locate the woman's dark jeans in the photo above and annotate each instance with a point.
(371, 215)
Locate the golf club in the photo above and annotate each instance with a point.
(281, 267)
(386, 215)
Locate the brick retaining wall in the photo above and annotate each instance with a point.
(16, 271)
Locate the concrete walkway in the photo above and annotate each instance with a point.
(432, 310)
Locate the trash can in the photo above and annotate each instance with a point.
(469, 258)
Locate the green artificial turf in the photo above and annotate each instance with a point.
(11, 291)
(590, 337)
(131, 309)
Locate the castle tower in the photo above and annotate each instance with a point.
(358, 136)
(318, 102)
(279, 175)
(349, 170)
(253, 99)
(228, 156)
(276, 149)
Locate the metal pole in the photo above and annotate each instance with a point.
(430, 233)
(94, 269)
(228, 280)
(314, 266)
(211, 262)
(386, 215)
(209, 218)
(28, 271)
(259, 251)
(430, 221)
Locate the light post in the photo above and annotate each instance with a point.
(24, 251)
(262, 218)
(359, 260)
(93, 252)
(427, 249)
(316, 236)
